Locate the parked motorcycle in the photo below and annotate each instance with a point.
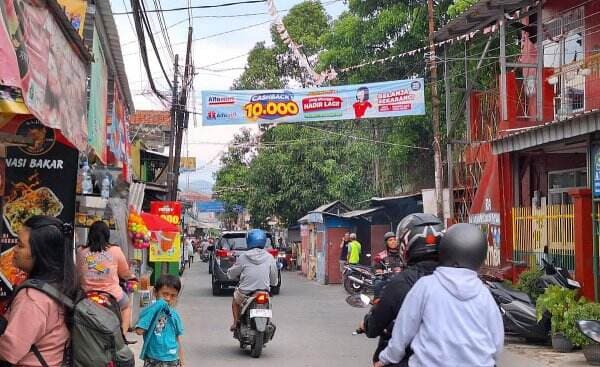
(590, 328)
(362, 279)
(255, 328)
(518, 309)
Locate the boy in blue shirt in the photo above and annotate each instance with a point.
(161, 326)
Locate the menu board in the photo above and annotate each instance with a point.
(40, 179)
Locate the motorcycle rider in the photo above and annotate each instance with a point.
(419, 235)
(390, 257)
(449, 318)
(255, 268)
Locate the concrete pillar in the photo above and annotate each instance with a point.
(584, 241)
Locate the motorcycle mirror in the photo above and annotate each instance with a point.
(358, 300)
(590, 328)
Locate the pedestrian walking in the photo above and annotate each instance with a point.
(34, 321)
(161, 326)
(354, 250)
(190, 252)
(102, 266)
(344, 251)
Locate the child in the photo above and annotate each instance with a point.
(449, 318)
(161, 326)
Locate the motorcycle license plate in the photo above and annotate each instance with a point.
(261, 313)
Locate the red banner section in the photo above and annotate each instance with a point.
(37, 58)
(168, 210)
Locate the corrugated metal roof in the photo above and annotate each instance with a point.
(577, 125)
(361, 212)
(477, 17)
(104, 10)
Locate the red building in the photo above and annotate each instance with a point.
(526, 166)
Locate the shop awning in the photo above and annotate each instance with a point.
(577, 125)
(156, 223)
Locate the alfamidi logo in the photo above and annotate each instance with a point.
(220, 100)
(213, 115)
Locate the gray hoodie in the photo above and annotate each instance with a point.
(256, 270)
(449, 319)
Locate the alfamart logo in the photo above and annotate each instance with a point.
(213, 115)
(220, 101)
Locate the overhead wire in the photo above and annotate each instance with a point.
(146, 23)
(139, 30)
(200, 7)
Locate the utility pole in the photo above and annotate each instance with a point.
(435, 103)
(183, 115)
(170, 171)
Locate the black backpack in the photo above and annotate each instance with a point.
(96, 335)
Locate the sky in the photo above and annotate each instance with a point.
(224, 55)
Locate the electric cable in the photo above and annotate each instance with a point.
(199, 7)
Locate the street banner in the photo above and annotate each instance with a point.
(37, 58)
(187, 164)
(39, 180)
(75, 11)
(214, 206)
(165, 247)
(98, 101)
(347, 102)
(168, 210)
(117, 139)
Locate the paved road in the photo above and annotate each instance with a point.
(314, 327)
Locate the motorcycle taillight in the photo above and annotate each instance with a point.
(262, 298)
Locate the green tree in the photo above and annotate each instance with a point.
(262, 70)
(460, 6)
(305, 23)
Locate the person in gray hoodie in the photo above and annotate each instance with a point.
(449, 318)
(255, 268)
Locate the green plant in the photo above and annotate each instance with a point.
(583, 311)
(528, 283)
(557, 301)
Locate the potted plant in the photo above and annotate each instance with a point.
(556, 301)
(583, 311)
(529, 283)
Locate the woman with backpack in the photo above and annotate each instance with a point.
(36, 323)
(101, 265)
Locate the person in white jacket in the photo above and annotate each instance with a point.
(449, 318)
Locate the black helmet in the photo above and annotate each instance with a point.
(419, 235)
(463, 246)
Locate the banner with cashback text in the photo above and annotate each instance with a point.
(347, 102)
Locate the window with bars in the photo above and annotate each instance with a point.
(564, 50)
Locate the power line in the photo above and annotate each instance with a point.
(197, 7)
(139, 30)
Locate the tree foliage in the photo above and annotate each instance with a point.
(293, 168)
(262, 71)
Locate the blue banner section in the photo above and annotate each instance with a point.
(214, 206)
(347, 102)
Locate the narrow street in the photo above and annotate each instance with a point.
(314, 327)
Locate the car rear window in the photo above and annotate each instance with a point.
(238, 242)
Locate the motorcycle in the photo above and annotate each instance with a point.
(362, 279)
(518, 309)
(255, 328)
(590, 328)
